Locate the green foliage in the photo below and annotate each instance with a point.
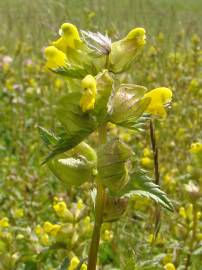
(144, 186)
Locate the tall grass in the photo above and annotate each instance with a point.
(34, 22)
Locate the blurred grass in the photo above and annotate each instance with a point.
(34, 22)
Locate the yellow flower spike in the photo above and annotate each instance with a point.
(159, 97)
(88, 97)
(55, 58)
(196, 148)
(169, 266)
(69, 37)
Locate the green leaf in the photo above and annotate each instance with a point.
(47, 137)
(74, 72)
(64, 264)
(138, 124)
(142, 185)
(77, 125)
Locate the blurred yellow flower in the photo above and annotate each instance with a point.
(169, 266)
(182, 212)
(69, 37)
(196, 148)
(62, 211)
(73, 263)
(88, 97)
(159, 97)
(44, 239)
(138, 36)
(55, 58)
(4, 222)
(38, 230)
(147, 162)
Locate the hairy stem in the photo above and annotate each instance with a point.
(99, 207)
(156, 175)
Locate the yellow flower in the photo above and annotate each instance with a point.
(4, 222)
(38, 230)
(147, 162)
(196, 148)
(47, 226)
(55, 58)
(138, 36)
(60, 208)
(62, 211)
(84, 266)
(74, 263)
(19, 213)
(147, 152)
(44, 238)
(169, 266)
(80, 204)
(69, 37)
(159, 97)
(88, 97)
(107, 235)
(182, 212)
(124, 51)
(55, 229)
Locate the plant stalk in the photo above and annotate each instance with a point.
(99, 207)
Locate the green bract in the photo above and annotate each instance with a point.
(112, 164)
(76, 166)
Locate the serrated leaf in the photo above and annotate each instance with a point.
(74, 72)
(78, 125)
(47, 136)
(142, 185)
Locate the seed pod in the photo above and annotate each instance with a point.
(112, 164)
(76, 166)
(114, 208)
(128, 103)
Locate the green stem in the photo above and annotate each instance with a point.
(99, 207)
